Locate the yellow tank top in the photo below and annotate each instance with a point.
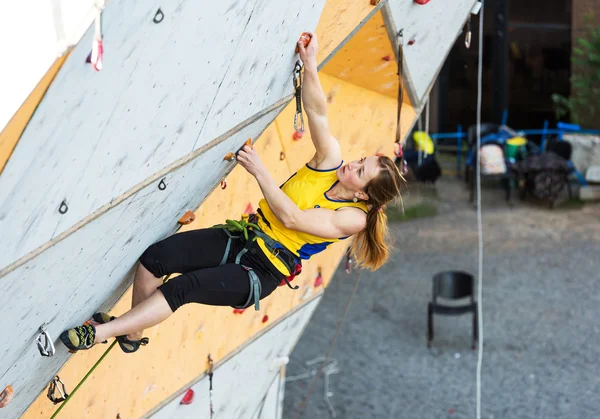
(307, 188)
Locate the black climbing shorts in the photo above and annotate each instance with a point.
(196, 255)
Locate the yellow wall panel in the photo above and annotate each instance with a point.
(338, 20)
(368, 59)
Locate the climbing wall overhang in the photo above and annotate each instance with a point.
(429, 32)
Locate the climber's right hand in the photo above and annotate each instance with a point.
(308, 55)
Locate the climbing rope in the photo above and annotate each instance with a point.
(479, 219)
(399, 153)
(329, 351)
(70, 396)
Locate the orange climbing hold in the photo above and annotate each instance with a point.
(229, 156)
(375, 2)
(6, 396)
(305, 39)
(187, 218)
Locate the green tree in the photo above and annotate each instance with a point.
(584, 101)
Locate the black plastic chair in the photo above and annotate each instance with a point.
(452, 285)
(564, 150)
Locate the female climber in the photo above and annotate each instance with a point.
(238, 263)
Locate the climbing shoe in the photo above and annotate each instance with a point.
(79, 338)
(127, 346)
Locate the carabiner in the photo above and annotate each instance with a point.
(54, 385)
(44, 342)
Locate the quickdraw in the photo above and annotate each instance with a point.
(398, 152)
(44, 342)
(95, 57)
(297, 78)
(210, 381)
(57, 384)
(468, 35)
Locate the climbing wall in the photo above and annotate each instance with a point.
(85, 263)
(430, 30)
(261, 360)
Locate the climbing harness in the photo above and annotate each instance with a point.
(297, 78)
(398, 152)
(210, 387)
(44, 342)
(57, 384)
(249, 232)
(95, 57)
(468, 35)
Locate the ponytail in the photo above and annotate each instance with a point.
(371, 247)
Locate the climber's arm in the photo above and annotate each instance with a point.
(328, 153)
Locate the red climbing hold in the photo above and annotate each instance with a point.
(223, 184)
(421, 2)
(265, 318)
(188, 398)
(298, 135)
(411, 42)
(450, 411)
(238, 310)
(290, 278)
(387, 58)
(318, 280)
(249, 210)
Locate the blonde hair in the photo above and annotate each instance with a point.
(371, 247)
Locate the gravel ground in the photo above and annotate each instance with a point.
(541, 301)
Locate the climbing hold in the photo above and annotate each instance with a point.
(210, 385)
(298, 135)
(249, 142)
(305, 39)
(223, 184)
(238, 310)
(63, 207)
(57, 384)
(421, 2)
(229, 156)
(318, 279)
(282, 156)
(265, 318)
(6, 396)
(450, 411)
(158, 16)
(411, 42)
(375, 2)
(44, 342)
(187, 218)
(188, 398)
(249, 210)
(162, 185)
(386, 58)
